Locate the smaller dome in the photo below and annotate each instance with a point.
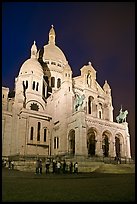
(31, 66)
(34, 50)
(106, 86)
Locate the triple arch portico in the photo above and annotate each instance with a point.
(104, 144)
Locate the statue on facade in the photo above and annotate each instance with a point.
(89, 79)
(78, 101)
(122, 116)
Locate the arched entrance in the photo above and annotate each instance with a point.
(105, 144)
(71, 138)
(91, 142)
(117, 147)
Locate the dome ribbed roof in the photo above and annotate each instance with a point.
(52, 52)
(31, 66)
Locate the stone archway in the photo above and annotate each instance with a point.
(71, 138)
(105, 146)
(117, 146)
(91, 142)
(105, 143)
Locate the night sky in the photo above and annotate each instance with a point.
(102, 33)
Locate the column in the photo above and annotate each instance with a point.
(112, 150)
(128, 147)
(128, 151)
(99, 151)
(83, 138)
(77, 141)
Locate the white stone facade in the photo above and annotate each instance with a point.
(52, 113)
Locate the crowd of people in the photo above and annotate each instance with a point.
(8, 163)
(49, 166)
(56, 167)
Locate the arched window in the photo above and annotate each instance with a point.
(31, 133)
(59, 65)
(37, 86)
(89, 105)
(43, 90)
(26, 84)
(52, 81)
(100, 115)
(56, 142)
(45, 134)
(54, 63)
(58, 82)
(90, 99)
(33, 86)
(100, 111)
(38, 133)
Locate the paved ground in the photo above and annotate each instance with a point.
(85, 187)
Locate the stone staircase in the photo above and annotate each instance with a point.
(84, 164)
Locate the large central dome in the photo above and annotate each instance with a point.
(51, 51)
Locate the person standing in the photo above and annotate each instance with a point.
(54, 166)
(40, 166)
(12, 164)
(47, 166)
(58, 167)
(76, 167)
(9, 161)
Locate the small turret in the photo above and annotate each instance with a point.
(34, 50)
(52, 36)
(106, 88)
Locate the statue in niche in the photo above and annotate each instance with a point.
(89, 79)
(78, 102)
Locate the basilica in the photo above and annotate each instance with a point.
(52, 113)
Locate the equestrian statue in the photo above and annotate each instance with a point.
(78, 102)
(122, 116)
